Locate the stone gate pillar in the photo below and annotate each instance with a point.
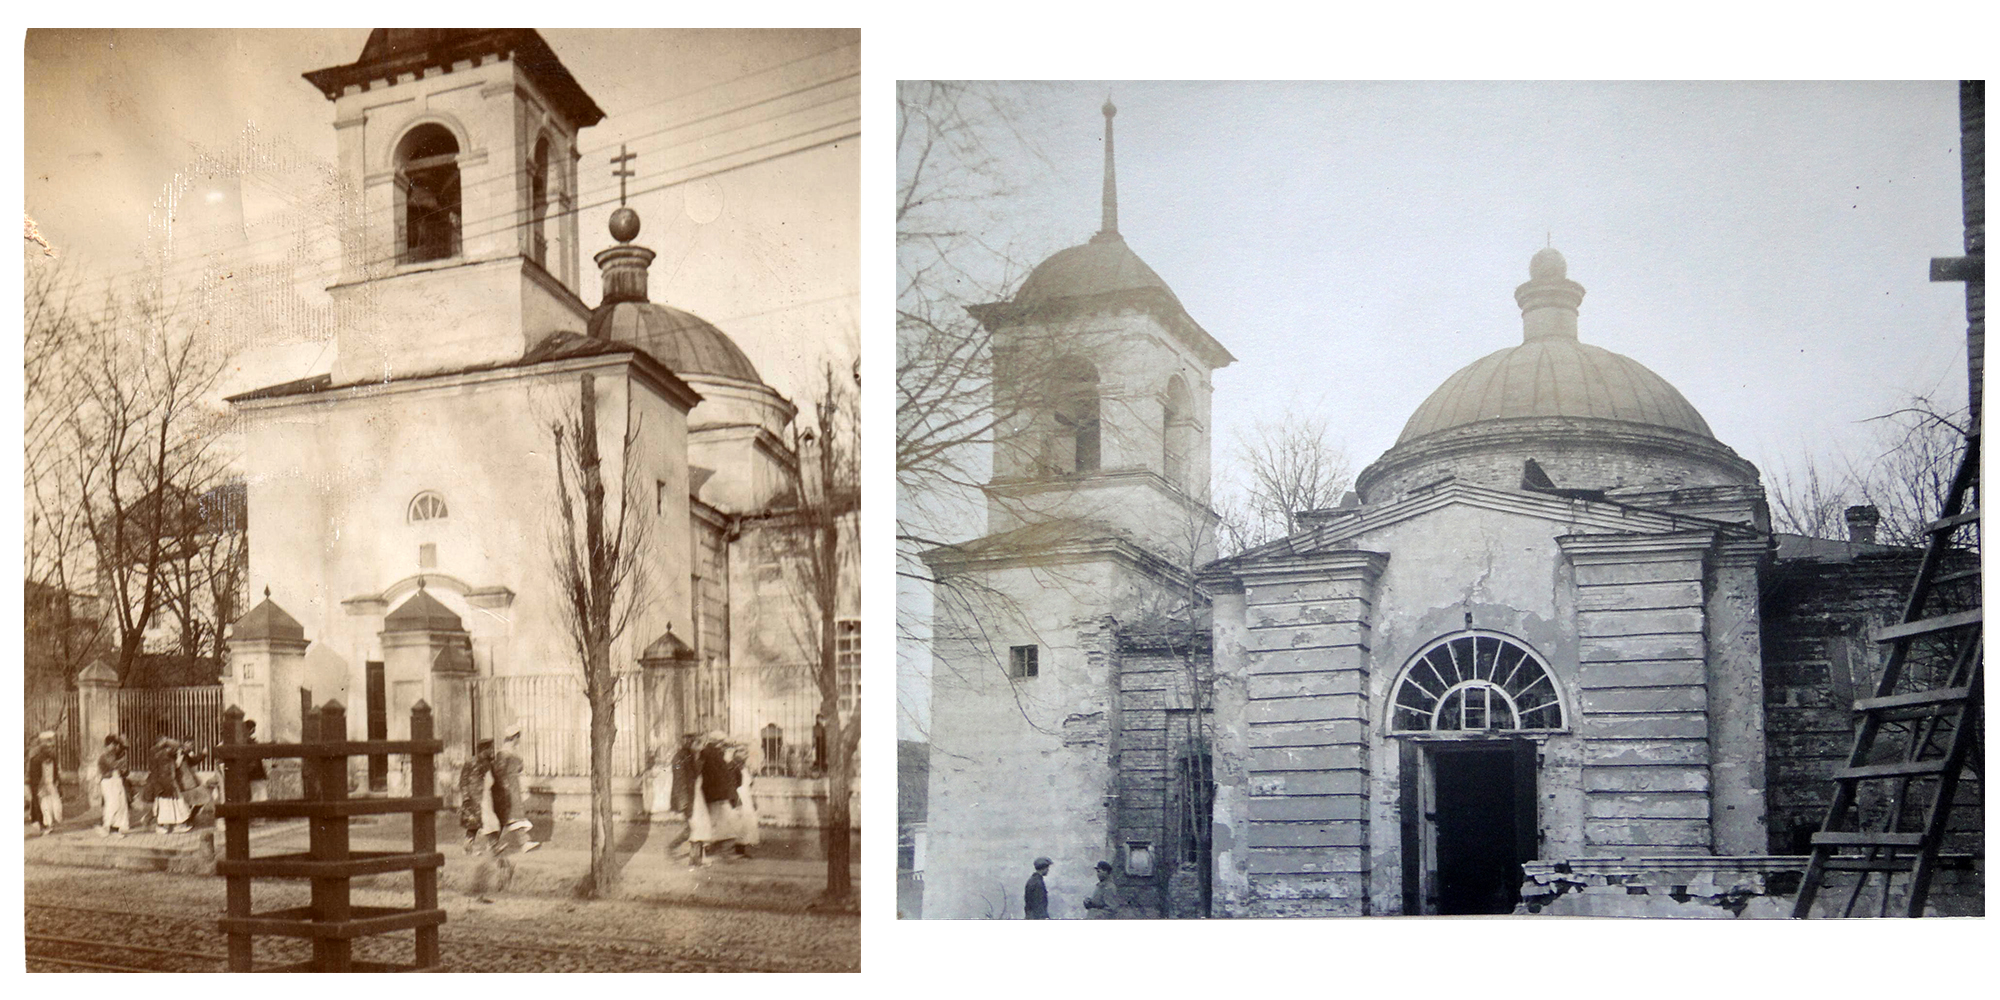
(668, 666)
(267, 650)
(427, 656)
(96, 710)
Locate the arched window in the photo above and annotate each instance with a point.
(538, 203)
(1076, 445)
(428, 506)
(1176, 431)
(1475, 682)
(428, 213)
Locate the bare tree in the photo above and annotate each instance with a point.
(1905, 475)
(599, 556)
(117, 438)
(818, 534)
(1284, 468)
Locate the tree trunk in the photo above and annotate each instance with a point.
(603, 733)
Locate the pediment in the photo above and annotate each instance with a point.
(1347, 530)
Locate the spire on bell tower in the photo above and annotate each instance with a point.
(1110, 228)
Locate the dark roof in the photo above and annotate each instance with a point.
(1791, 547)
(676, 338)
(394, 51)
(268, 621)
(422, 613)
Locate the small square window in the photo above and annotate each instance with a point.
(659, 496)
(427, 556)
(1022, 661)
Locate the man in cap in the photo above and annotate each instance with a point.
(1103, 901)
(1036, 898)
(45, 781)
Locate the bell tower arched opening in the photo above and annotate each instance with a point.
(428, 209)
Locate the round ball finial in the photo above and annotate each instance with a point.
(1110, 109)
(1548, 263)
(624, 224)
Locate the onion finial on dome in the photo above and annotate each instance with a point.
(1548, 262)
(624, 224)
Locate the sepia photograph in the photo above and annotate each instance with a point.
(441, 500)
(1425, 499)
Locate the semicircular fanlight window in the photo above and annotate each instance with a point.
(1475, 683)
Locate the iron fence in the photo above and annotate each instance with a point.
(56, 710)
(193, 714)
(555, 720)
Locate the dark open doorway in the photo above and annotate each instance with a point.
(1470, 822)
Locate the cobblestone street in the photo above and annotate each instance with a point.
(79, 919)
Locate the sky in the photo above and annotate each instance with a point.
(121, 125)
(1764, 247)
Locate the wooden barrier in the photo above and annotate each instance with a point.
(330, 921)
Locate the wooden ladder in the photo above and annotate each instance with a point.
(1920, 729)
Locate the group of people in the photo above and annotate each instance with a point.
(1102, 904)
(173, 790)
(490, 783)
(711, 780)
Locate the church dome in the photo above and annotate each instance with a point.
(1554, 378)
(1592, 418)
(682, 341)
(1098, 267)
(689, 345)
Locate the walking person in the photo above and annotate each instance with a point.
(681, 795)
(718, 788)
(472, 777)
(748, 834)
(1035, 899)
(509, 806)
(45, 782)
(113, 765)
(1103, 903)
(260, 779)
(170, 809)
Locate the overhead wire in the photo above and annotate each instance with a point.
(514, 175)
(178, 310)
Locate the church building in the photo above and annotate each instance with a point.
(402, 504)
(1547, 657)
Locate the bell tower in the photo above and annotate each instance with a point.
(460, 247)
(1103, 381)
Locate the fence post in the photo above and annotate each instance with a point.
(423, 830)
(236, 838)
(96, 710)
(330, 900)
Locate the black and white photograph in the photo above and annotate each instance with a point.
(441, 500)
(1402, 499)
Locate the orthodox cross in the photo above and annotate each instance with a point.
(622, 171)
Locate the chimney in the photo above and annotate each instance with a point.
(1861, 522)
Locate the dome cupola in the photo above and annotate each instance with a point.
(1595, 419)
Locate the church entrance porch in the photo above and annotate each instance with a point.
(1473, 806)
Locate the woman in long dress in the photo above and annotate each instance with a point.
(112, 766)
(170, 810)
